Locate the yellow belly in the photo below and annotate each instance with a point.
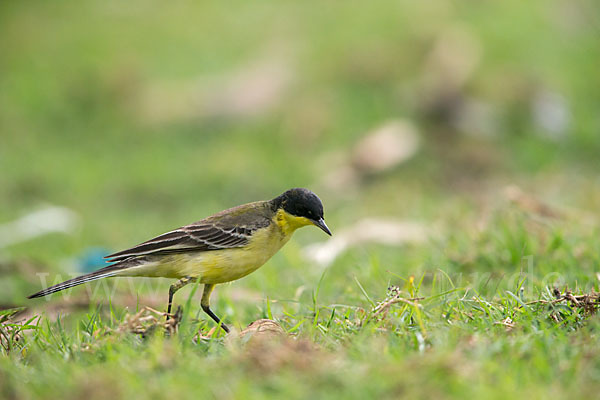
(218, 266)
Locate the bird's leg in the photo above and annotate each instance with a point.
(205, 303)
(175, 287)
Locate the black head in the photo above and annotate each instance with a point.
(302, 203)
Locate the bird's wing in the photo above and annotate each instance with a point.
(201, 236)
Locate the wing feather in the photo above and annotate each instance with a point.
(196, 237)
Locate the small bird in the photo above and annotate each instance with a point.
(221, 248)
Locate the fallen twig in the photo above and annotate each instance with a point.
(588, 301)
(394, 297)
(148, 319)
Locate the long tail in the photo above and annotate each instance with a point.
(105, 272)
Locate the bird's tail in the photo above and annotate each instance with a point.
(105, 272)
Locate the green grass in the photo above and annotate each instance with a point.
(126, 115)
(448, 331)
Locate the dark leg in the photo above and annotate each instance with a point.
(175, 287)
(205, 303)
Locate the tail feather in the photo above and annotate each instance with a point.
(105, 272)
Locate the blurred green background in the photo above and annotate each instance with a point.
(453, 142)
(143, 116)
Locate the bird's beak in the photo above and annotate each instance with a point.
(321, 224)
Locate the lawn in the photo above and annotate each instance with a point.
(454, 146)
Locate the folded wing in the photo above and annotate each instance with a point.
(192, 238)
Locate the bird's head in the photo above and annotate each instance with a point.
(301, 207)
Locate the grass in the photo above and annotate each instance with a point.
(437, 333)
(136, 118)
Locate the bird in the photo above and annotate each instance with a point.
(221, 248)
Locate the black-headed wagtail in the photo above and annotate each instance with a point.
(221, 248)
